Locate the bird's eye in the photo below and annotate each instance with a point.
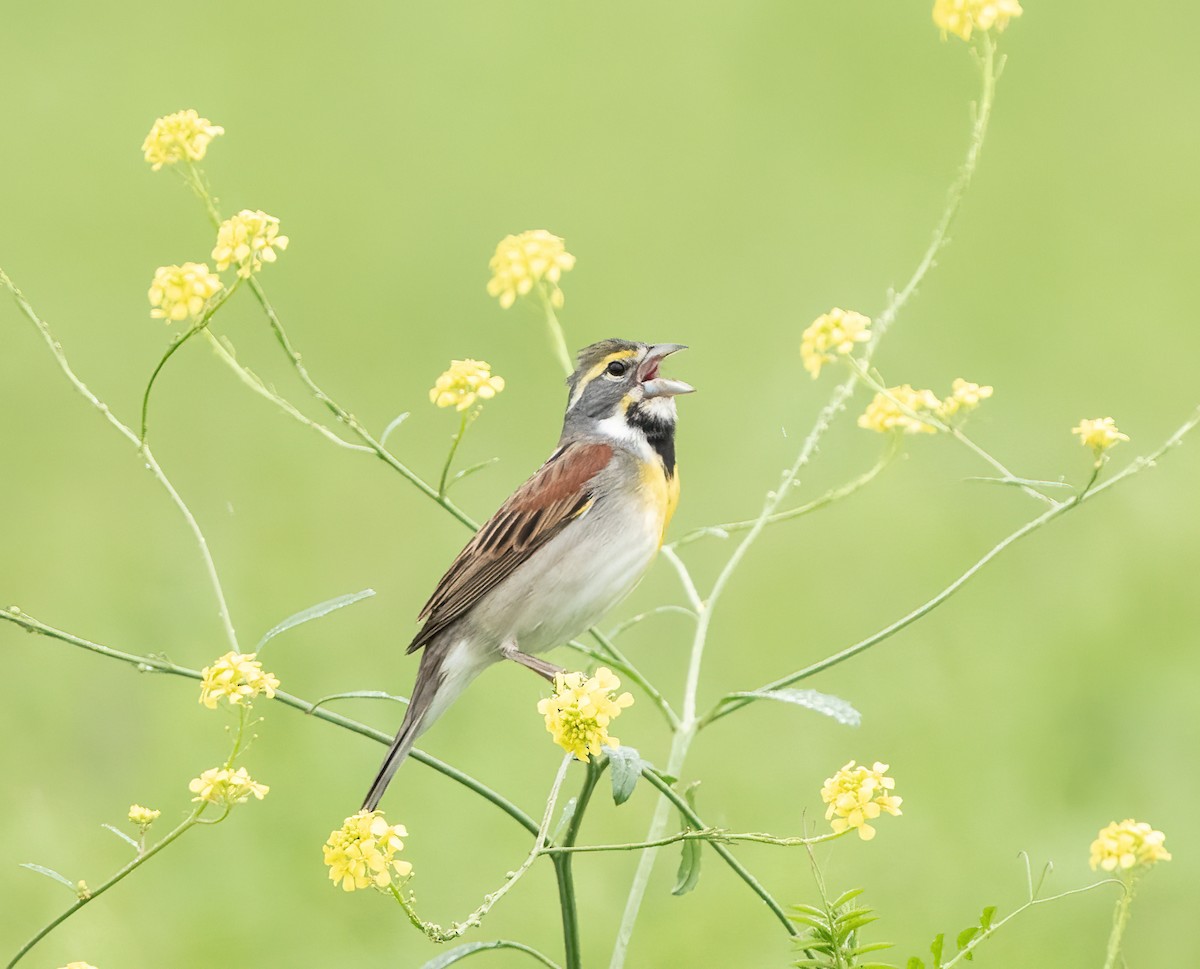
(616, 369)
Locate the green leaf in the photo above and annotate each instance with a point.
(846, 897)
(862, 950)
(809, 920)
(856, 923)
(356, 695)
(123, 836)
(936, 949)
(810, 910)
(830, 706)
(914, 963)
(470, 948)
(568, 812)
(313, 612)
(51, 873)
(986, 916)
(965, 937)
(689, 862)
(689, 868)
(625, 765)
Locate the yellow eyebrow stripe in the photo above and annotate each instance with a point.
(596, 371)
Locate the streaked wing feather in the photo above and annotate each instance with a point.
(558, 493)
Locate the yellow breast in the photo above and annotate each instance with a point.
(661, 493)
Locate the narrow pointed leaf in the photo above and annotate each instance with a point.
(313, 612)
(846, 897)
(357, 695)
(470, 948)
(689, 868)
(986, 916)
(50, 873)
(824, 703)
(123, 836)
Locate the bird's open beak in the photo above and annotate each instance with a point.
(652, 384)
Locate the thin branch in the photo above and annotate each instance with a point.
(158, 664)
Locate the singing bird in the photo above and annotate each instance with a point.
(568, 545)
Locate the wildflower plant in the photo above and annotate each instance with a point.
(368, 851)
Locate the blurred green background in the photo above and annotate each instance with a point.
(724, 173)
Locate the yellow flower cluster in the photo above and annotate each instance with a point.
(143, 817)
(581, 708)
(177, 136)
(1130, 844)
(964, 397)
(835, 332)
(1099, 434)
(238, 676)
(856, 795)
(522, 261)
(247, 240)
(464, 382)
(894, 410)
(223, 785)
(887, 412)
(362, 852)
(181, 291)
(961, 17)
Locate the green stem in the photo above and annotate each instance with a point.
(258, 386)
(142, 447)
(156, 664)
(345, 417)
(728, 704)
(573, 949)
(462, 429)
(1120, 922)
(95, 893)
(725, 529)
(558, 341)
(201, 324)
(438, 933)
(714, 836)
(727, 856)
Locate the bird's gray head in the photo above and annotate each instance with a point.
(617, 392)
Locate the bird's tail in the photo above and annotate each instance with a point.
(442, 676)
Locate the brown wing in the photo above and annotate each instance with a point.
(557, 494)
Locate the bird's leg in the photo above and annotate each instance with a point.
(539, 666)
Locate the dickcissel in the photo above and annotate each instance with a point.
(568, 545)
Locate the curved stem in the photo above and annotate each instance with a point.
(1120, 921)
(95, 893)
(462, 429)
(563, 868)
(832, 495)
(201, 324)
(558, 341)
(258, 386)
(156, 664)
(728, 704)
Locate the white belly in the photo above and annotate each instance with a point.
(568, 584)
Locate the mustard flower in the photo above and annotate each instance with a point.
(177, 136)
(181, 291)
(961, 17)
(1130, 844)
(464, 382)
(224, 785)
(884, 413)
(1099, 434)
(238, 676)
(964, 397)
(247, 240)
(856, 795)
(580, 710)
(835, 332)
(523, 261)
(143, 817)
(362, 852)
